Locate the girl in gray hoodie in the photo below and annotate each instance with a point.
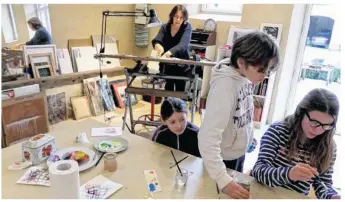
(227, 128)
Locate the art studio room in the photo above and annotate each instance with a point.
(170, 101)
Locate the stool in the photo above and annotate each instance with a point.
(153, 82)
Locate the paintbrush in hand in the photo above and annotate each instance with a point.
(179, 169)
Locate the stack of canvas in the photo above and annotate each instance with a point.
(83, 59)
(110, 48)
(64, 61)
(99, 95)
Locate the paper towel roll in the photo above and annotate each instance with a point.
(64, 179)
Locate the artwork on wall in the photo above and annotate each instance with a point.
(236, 32)
(273, 30)
(57, 110)
(81, 107)
(120, 94)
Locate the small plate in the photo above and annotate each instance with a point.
(116, 144)
(83, 166)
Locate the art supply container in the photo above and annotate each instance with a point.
(181, 178)
(110, 162)
(38, 148)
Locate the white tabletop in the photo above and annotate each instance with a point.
(142, 154)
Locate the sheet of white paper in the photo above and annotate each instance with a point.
(153, 66)
(106, 131)
(99, 188)
(35, 176)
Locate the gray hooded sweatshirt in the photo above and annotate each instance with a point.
(227, 128)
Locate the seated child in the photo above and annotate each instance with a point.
(300, 151)
(177, 132)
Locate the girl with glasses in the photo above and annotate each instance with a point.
(300, 151)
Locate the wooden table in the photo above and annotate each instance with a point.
(142, 154)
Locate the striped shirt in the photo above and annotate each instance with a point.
(273, 166)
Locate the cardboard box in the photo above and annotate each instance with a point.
(78, 43)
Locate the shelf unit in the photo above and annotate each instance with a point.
(204, 42)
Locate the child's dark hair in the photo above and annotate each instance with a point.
(256, 49)
(171, 105)
(174, 11)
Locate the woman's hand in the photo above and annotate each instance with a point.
(19, 46)
(167, 54)
(302, 172)
(159, 48)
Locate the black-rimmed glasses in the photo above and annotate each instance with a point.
(315, 123)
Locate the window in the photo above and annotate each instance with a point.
(38, 10)
(234, 9)
(8, 24)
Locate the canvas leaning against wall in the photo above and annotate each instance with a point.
(99, 95)
(57, 110)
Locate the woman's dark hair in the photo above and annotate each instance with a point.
(176, 8)
(35, 22)
(171, 105)
(256, 49)
(322, 146)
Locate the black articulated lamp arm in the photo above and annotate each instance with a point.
(153, 21)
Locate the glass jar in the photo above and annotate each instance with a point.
(110, 163)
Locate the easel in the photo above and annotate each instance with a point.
(141, 70)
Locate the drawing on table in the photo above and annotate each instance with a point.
(99, 188)
(35, 176)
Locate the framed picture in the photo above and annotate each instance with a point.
(236, 32)
(81, 107)
(51, 48)
(119, 95)
(42, 64)
(273, 30)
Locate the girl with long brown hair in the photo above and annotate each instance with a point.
(300, 151)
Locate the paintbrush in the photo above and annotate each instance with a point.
(322, 183)
(179, 169)
(106, 149)
(178, 162)
(218, 191)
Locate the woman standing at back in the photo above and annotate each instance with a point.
(173, 40)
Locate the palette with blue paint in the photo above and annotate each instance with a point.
(152, 181)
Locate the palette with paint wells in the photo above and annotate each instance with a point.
(116, 144)
(85, 157)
